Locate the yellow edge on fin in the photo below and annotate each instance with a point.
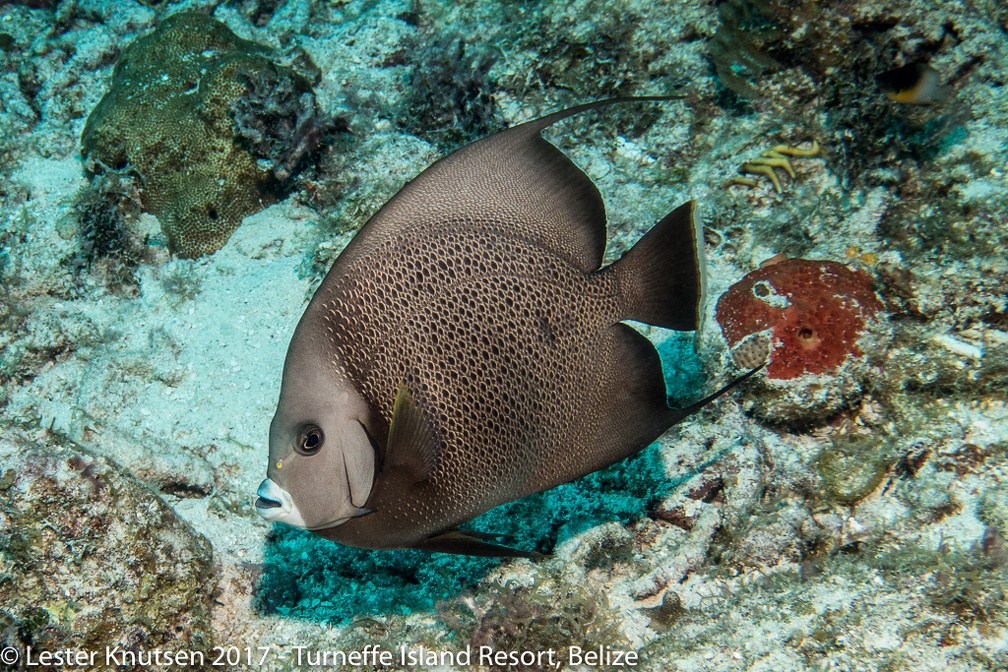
(412, 443)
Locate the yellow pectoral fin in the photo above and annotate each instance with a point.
(413, 445)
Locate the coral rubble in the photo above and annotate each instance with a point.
(123, 571)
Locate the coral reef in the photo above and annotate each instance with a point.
(819, 65)
(970, 583)
(775, 157)
(178, 99)
(853, 465)
(993, 508)
(36, 328)
(122, 571)
(806, 319)
(667, 613)
(781, 536)
(535, 618)
(590, 46)
(740, 63)
(277, 120)
(867, 538)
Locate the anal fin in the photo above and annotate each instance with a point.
(638, 401)
(636, 410)
(461, 542)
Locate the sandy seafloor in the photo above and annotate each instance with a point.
(175, 379)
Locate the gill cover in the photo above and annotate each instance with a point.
(322, 490)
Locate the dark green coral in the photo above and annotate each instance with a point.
(169, 116)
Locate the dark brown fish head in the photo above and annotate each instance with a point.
(321, 458)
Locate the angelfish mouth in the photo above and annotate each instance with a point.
(263, 503)
(275, 504)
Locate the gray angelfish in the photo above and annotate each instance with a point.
(467, 349)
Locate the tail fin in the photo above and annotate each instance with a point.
(663, 277)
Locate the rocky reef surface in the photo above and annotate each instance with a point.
(848, 512)
(94, 559)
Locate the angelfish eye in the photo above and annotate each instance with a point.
(309, 440)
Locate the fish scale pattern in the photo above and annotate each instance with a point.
(479, 286)
(500, 343)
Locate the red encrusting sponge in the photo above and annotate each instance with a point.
(806, 315)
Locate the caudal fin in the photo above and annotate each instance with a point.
(663, 277)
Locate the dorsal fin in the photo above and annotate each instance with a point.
(513, 181)
(412, 444)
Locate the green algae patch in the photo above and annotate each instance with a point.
(854, 466)
(176, 115)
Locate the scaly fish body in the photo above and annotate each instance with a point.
(444, 314)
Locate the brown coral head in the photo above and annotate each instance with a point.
(209, 120)
(807, 316)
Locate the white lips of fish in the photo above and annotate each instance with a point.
(276, 505)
